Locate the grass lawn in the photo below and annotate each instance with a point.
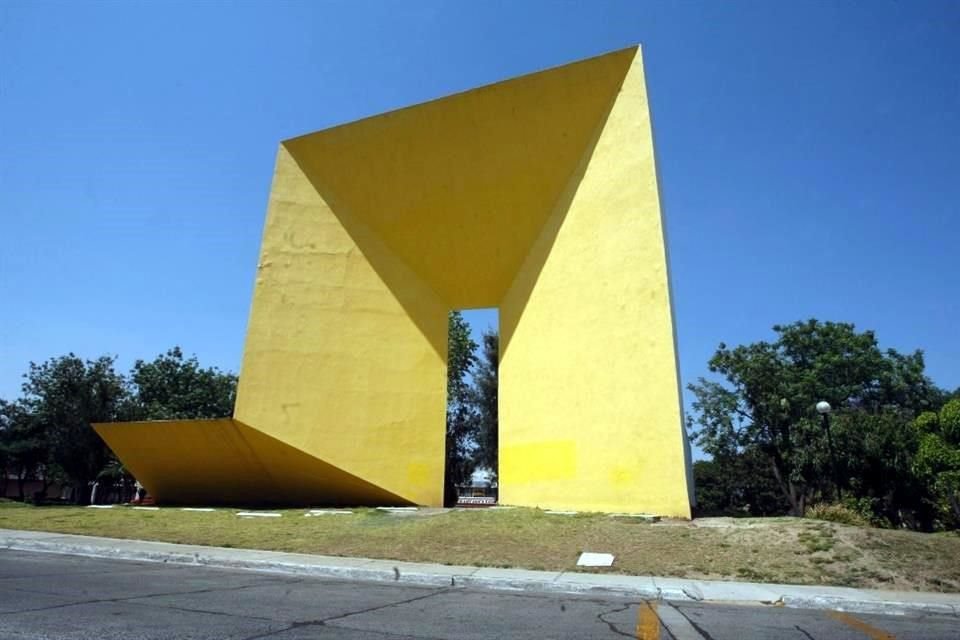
(790, 550)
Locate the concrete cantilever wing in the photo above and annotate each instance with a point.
(226, 462)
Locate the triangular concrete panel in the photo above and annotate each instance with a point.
(460, 187)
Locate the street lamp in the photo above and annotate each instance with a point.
(823, 408)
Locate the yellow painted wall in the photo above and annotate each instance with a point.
(344, 361)
(459, 188)
(537, 195)
(590, 413)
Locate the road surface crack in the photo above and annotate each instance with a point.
(611, 625)
(803, 631)
(386, 606)
(128, 598)
(698, 628)
(323, 621)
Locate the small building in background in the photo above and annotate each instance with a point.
(480, 491)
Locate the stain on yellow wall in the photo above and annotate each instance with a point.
(542, 460)
(537, 195)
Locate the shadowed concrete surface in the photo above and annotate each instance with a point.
(49, 596)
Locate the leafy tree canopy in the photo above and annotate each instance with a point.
(764, 402)
(172, 387)
(64, 396)
(461, 420)
(938, 459)
(484, 395)
(24, 451)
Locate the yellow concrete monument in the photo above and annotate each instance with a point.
(536, 195)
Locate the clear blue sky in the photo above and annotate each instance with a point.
(809, 156)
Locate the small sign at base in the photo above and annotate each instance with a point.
(588, 559)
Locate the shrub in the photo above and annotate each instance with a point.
(840, 513)
(870, 509)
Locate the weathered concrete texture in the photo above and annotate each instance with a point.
(537, 195)
(647, 587)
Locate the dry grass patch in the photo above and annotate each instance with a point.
(764, 550)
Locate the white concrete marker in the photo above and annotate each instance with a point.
(646, 517)
(327, 512)
(562, 513)
(258, 514)
(99, 506)
(396, 508)
(588, 559)
(148, 508)
(499, 506)
(197, 509)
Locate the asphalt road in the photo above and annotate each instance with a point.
(46, 596)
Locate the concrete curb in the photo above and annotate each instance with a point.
(366, 569)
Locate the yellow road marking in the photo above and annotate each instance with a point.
(870, 631)
(648, 624)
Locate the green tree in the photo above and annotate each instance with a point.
(484, 397)
(938, 459)
(65, 395)
(769, 390)
(173, 387)
(5, 464)
(461, 419)
(737, 486)
(876, 450)
(24, 450)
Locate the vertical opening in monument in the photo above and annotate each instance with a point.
(473, 354)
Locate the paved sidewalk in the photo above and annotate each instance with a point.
(647, 587)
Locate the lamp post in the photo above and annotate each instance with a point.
(823, 408)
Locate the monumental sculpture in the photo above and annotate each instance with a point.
(537, 195)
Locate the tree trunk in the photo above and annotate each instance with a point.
(954, 500)
(797, 505)
(20, 479)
